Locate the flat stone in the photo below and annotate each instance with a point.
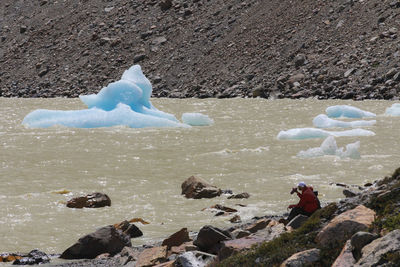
(152, 256)
(235, 246)
(258, 225)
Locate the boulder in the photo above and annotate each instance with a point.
(239, 196)
(258, 225)
(298, 221)
(373, 252)
(343, 226)
(359, 240)
(177, 238)
(208, 237)
(345, 258)
(107, 239)
(197, 188)
(194, 259)
(152, 256)
(303, 258)
(129, 229)
(235, 246)
(95, 200)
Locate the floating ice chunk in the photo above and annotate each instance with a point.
(125, 102)
(394, 110)
(347, 112)
(196, 119)
(329, 147)
(94, 118)
(322, 121)
(308, 133)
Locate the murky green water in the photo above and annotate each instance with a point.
(142, 169)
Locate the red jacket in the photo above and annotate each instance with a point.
(308, 201)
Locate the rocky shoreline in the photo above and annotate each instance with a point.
(359, 230)
(345, 49)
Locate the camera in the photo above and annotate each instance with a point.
(294, 190)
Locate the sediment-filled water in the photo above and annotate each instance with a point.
(142, 169)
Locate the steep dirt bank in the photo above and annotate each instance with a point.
(202, 48)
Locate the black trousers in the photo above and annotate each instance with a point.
(296, 211)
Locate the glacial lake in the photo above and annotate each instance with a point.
(142, 169)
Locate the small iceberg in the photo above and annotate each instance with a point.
(329, 147)
(308, 133)
(196, 119)
(124, 102)
(346, 111)
(323, 121)
(394, 110)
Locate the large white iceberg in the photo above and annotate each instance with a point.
(323, 121)
(125, 102)
(346, 111)
(394, 110)
(196, 119)
(329, 147)
(308, 133)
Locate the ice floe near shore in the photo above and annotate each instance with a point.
(394, 110)
(345, 111)
(329, 147)
(196, 119)
(323, 121)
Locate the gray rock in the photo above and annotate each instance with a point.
(359, 240)
(391, 73)
(107, 239)
(300, 60)
(303, 258)
(209, 236)
(298, 221)
(194, 259)
(372, 253)
(349, 72)
(139, 58)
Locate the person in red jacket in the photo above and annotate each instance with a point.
(308, 201)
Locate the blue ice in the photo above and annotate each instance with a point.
(394, 110)
(323, 121)
(346, 111)
(124, 102)
(309, 133)
(196, 119)
(329, 147)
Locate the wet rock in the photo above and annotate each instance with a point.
(33, 257)
(152, 256)
(194, 259)
(359, 240)
(223, 208)
(235, 219)
(107, 239)
(95, 200)
(239, 196)
(343, 226)
(197, 188)
(298, 221)
(129, 229)
(258, 225)
(345, 258)
(373, 252)
(9, 257)
(209, 237)
(177, 238)
(303, 258)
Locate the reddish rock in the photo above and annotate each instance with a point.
(95, 200)
(197, 188)
(258, 225)
(235, 246)
(345, 259)
(177, 238)
(166, 264)
(343, 226)
(152, 256)
(223, 208)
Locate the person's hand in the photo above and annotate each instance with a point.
(294, 190)
(291, 206)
